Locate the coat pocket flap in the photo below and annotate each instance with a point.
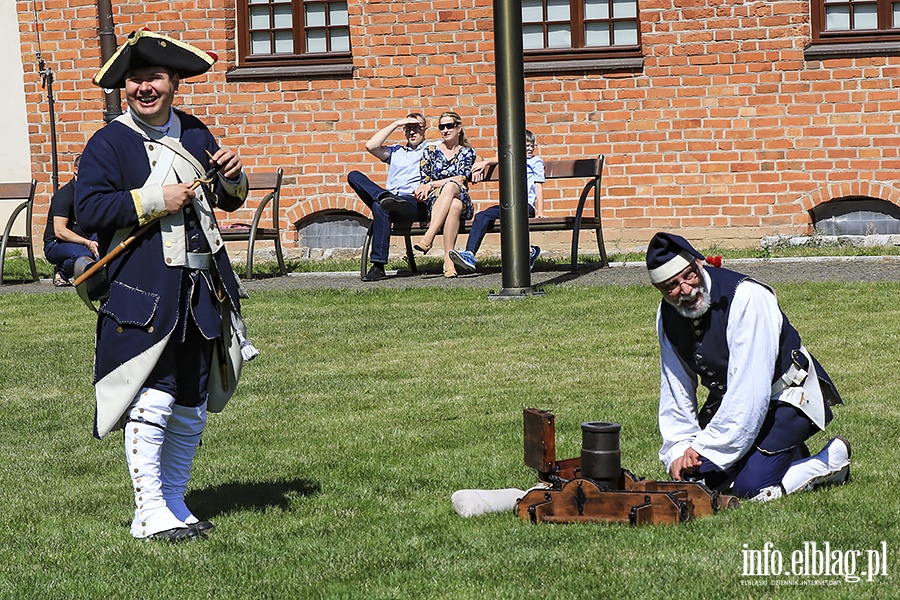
(130, 306)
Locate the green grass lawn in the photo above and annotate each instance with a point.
(330, 473)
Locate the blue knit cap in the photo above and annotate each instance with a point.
(668, 255)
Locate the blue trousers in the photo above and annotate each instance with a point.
(64, 254)
(779, 444)
(483, 220)
(183, 369)
(369, 192)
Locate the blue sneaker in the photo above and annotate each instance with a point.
(464, 260)
(535, 252)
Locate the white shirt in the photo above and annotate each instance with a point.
(534, 168)
(753, 330)
(404, 174)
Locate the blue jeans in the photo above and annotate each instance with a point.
(369, 192)
(64, 254)
(483, 220)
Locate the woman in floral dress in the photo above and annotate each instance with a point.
(446, 171)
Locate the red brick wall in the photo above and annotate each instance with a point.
(727, 134)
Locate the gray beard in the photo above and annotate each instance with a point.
(696, 311)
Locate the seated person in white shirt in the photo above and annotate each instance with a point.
(395, 201)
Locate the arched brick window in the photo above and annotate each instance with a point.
(856, 215)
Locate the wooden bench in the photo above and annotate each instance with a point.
(18, 197)
(581, 168)
(269, 181)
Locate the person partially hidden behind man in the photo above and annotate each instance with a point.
(767, 394)
(396, 202)
(64, 241)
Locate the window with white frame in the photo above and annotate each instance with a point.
(278, 32)
(855, 20)
(579, 25)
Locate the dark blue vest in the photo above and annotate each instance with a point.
(702, 343)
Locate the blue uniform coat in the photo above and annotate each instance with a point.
(143, 306)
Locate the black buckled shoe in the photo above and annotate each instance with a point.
(202, 528)
(176, 534)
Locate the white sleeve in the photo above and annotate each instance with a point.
(678, 424)
(753, 330)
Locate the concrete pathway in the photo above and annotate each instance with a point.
(783, 270)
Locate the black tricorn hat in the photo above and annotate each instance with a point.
(144, 48)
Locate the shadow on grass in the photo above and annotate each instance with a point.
(563, 273)
(254, 496)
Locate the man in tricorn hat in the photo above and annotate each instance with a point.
(767, 394)
(162, 359)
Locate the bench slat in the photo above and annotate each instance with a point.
(232, 234)
(580, 167)
(15, 191)
(558, 169)
(262, 180)
(544, 224)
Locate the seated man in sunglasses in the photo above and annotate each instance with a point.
(767, 394)
(395, 201)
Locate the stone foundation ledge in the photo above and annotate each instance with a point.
(860, 241)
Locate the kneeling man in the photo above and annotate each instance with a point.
(767, 394)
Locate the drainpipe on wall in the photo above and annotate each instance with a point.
(107, 49)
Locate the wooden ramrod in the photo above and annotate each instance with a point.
(602, 491)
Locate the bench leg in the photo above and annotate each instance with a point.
(576, 234)
(598, 231)
(2, 258)
(364, 260)
(573, 267)
(410, 257)
(278, 253)
(250, 245)
(34, 275)
(604, 261)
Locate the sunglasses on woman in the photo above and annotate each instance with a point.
(445, 126)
